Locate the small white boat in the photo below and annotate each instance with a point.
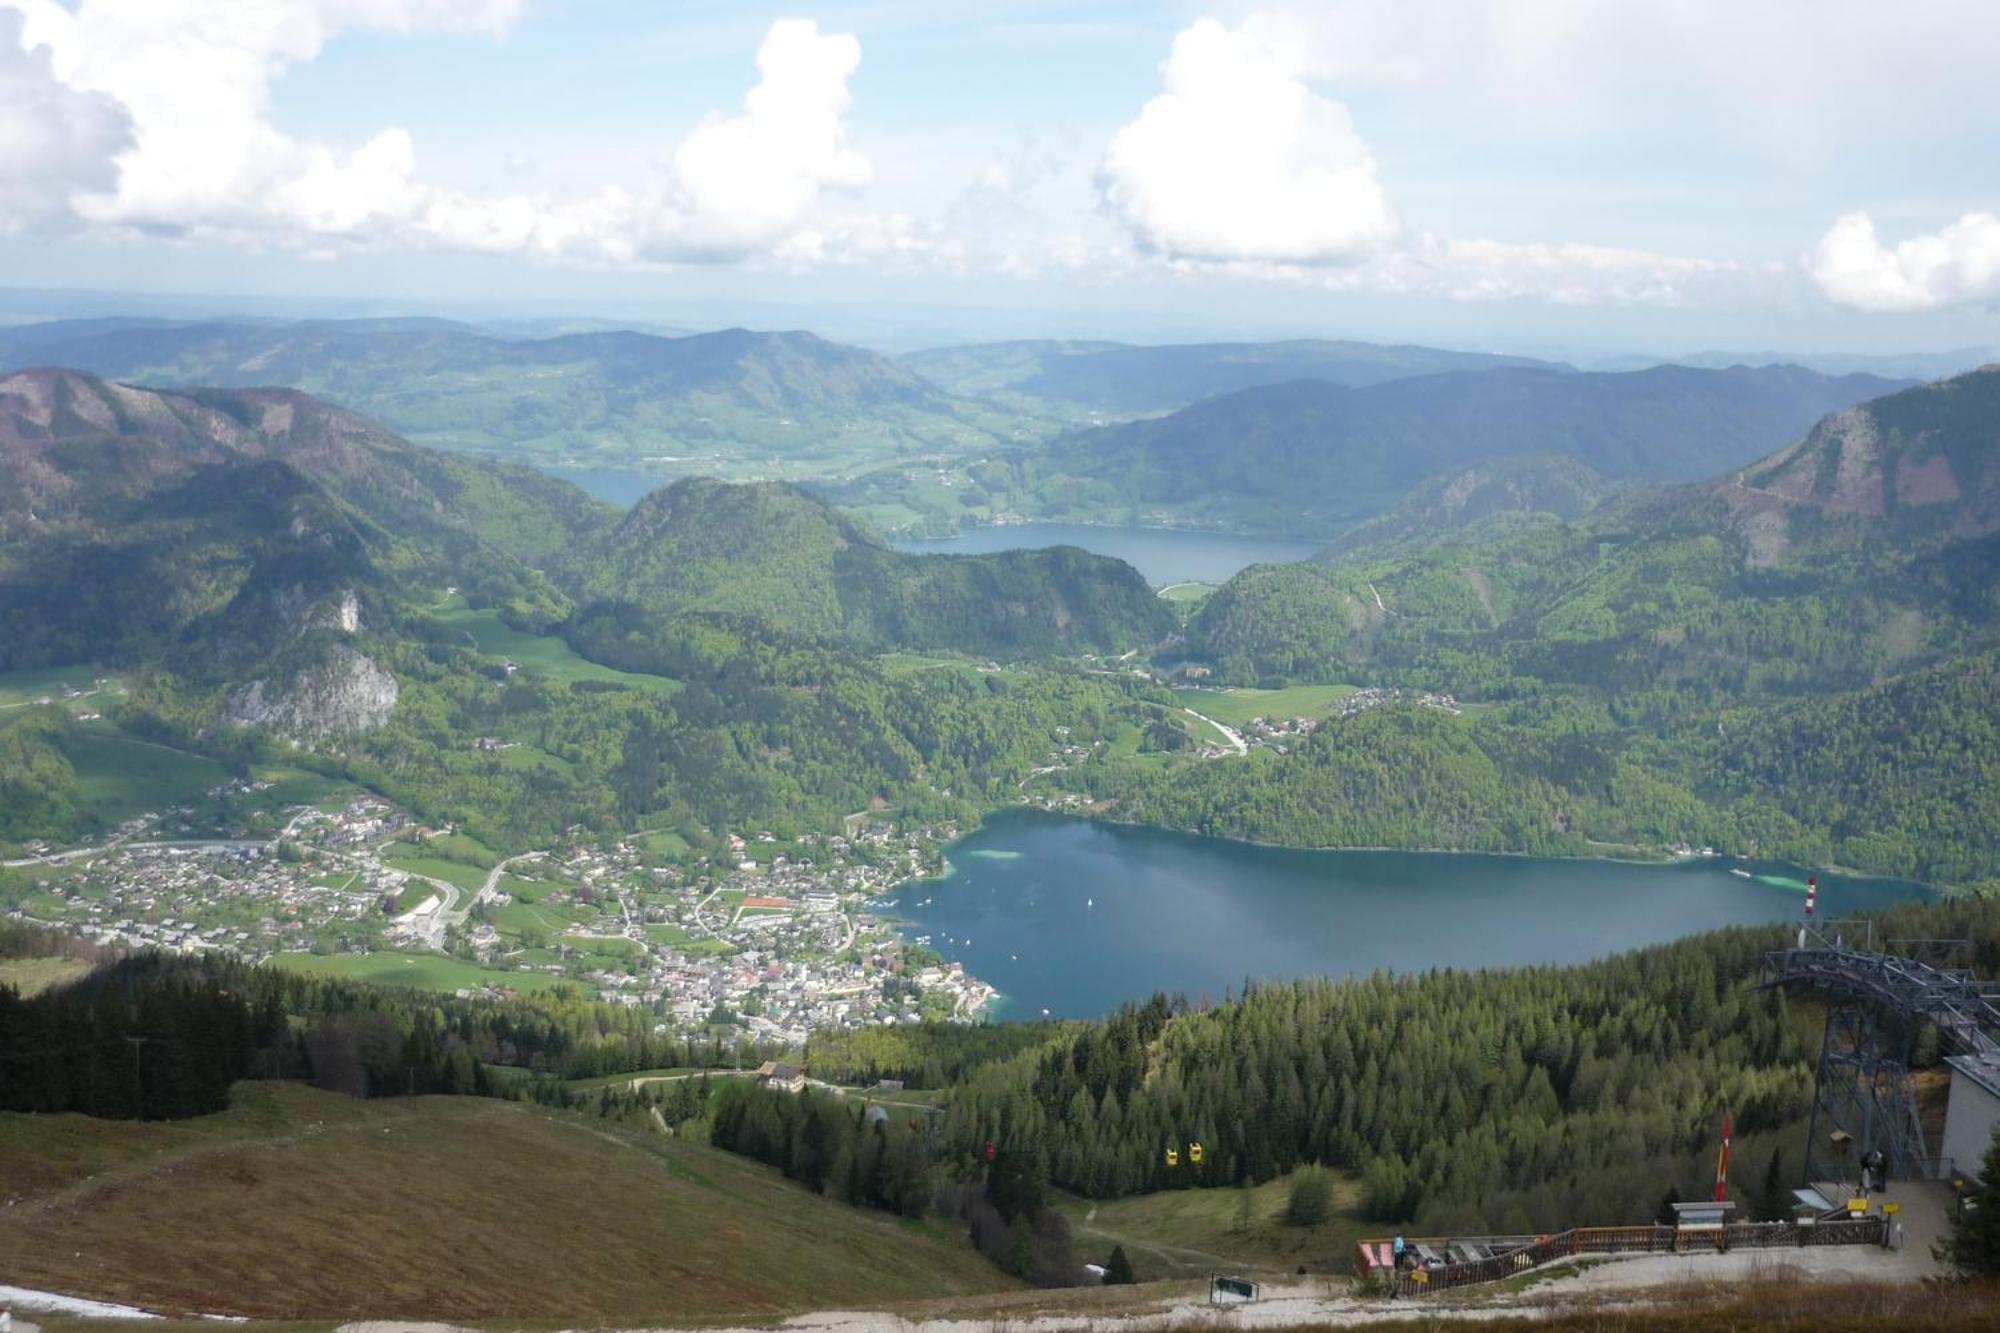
(1739, 870)
(1090, 902)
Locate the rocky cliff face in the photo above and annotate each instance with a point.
(1920, 467)
(345, 691)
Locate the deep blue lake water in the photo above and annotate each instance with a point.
(1078, 917)
(1163, 555)
(619, 487)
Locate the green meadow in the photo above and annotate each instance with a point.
(542, 654)
(1236, 707)
(469, 878)
(122, 776)
(20, 688)
(420, 971)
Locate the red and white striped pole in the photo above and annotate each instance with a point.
(1722, 1159)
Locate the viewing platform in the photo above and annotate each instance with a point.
(1433, 1264)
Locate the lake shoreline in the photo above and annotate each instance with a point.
(1163, 556)
(1662, 858)
(969, 525)
(1093, 913)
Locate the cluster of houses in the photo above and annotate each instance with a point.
(239, 898)
(317, 882)
(779, 944)
(776, 938)
(1375, 697)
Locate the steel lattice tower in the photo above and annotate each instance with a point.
(1878, 1003)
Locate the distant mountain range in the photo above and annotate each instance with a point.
(1894, 365)
(1883, 486)
(1311, 457)
(1528, 486)
(272, 576)
(1103, 379)
(250, 531)
(709, 401)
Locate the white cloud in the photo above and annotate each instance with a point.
(1958, 265)
(755, 178)
(1237, 158)
(1790, 74)
(205, 160)
(55, 142)
(195, 77)
(1424, 264)
(1561, 274)
(1240, 166)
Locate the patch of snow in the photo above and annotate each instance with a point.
(49, 1302)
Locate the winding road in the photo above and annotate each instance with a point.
(1234, 737)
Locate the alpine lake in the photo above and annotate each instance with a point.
(1075, 917)
(1165, 556)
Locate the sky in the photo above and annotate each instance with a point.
(1505, 174)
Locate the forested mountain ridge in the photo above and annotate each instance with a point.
(273, 575)
(132, 517)
(53, 420)
(1310, 457)
(1077, 378)
(774, 553)
(1851, 519)
(1921, 467)
(1787, 656)
(619, 396)
(1667, 423)
(1526, 485)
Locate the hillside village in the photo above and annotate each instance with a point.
(774, 940)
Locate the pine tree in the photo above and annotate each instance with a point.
(1973, 1247)
(1118, 1269)
(1774, 1201)
(1311, 1199)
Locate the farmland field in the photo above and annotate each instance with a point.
(1187, 594)
(420, 971)
(18, 688)
(31, 976)
(122, 776)
(516, 917)
(695, 946)
(466, 877)
(664, 844)
(1236, 707)
(414, 895)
